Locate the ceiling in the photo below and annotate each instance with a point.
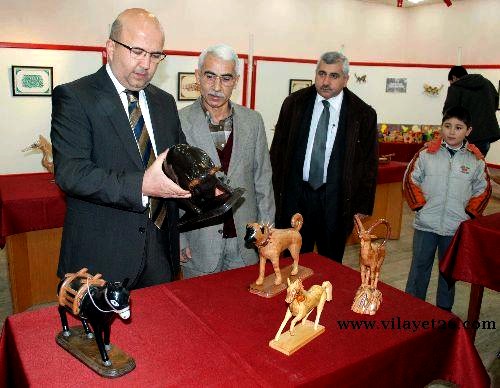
(407, 4)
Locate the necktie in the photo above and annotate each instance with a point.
(316, 169)
(157, 210)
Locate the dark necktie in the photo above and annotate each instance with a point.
(316, 168)
(157, 207)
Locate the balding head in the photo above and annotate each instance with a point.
(140, 30)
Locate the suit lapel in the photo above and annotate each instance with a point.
(108, 100)
(239, 140)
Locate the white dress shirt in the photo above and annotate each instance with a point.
(333, 124)
(143, 103)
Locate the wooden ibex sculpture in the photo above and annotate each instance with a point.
(371, 258)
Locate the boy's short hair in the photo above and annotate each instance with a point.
(460, 113)
(457, 71)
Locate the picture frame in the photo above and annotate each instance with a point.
(297, 84)
(396, 85)
(187, 87)
(32, 81)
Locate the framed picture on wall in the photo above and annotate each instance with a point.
(297, 84)
(32, 81)
(187, 87)
(395, 85)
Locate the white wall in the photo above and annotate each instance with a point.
(281, 28)
(291, 28)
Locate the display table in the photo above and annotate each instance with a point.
(388, 200)
(473, 257)
(404, 152)
(32, 210)
(211, 331)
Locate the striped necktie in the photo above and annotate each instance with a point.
(158, 209)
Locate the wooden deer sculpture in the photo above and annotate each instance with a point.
(371, 258)
(43, 145)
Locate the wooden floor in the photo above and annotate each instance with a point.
(394, 272)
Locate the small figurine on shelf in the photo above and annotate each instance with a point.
(371, 258)
(300, 305)
(96, 301)
(43, 145)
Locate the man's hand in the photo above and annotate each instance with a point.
(156, 184)
(186, 255)
(362, 216)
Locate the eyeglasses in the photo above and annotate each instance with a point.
(139, 53)
(225, 79)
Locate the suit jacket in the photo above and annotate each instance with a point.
(98, 166)
(359, 158)
(249, 168)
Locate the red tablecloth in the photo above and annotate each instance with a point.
(29, 202)
(473, 255)
(391, 172)
(404, 152)
(211, 331)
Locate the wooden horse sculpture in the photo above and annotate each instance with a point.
(271, 242)
(302, 302)
(43, 145)
(371, 258)
(94, 301)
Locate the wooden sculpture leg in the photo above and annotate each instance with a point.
(262, 269)
(295, 252)
(288, 314)
(276, 267)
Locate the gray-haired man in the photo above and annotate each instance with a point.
(234, 137)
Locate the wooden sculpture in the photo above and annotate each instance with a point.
(271, 242)
(371, 258)
(43, 145)
(300, 305)
(94, 301)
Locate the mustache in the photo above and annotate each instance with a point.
(216, 94)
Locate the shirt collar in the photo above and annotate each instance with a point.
(335, 101)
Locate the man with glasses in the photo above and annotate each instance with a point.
(324, 158)
(234, 137)
(110, 132)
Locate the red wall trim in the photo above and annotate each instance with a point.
(254, 79)
(43, 46)
(493, 166)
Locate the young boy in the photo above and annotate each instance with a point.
(445, 183)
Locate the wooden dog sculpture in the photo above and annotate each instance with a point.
(94, 301)
(302, 302)
(371, 258)
(271, 242)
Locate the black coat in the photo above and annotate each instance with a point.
(360, 157)
(480, 98)
(98, 166)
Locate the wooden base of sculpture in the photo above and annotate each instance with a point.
(85, 349)
(303, 334)
(367, 300)
(268, 289)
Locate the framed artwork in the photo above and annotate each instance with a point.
(395, 85)
(187, 87)
(297, 84)
(32, 81)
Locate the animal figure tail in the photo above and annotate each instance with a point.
(297, 221)
(328, 288)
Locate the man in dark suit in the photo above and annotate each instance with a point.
(111, 181)
(324, 158)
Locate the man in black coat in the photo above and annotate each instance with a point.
(345, 160)
(478, 95)
(99, 163)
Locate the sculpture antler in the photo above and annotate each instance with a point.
(387, 227)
